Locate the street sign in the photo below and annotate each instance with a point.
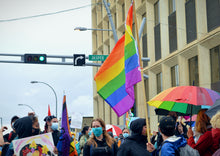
(97, 57)
(78, 59)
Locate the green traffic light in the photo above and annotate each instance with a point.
(41, 58)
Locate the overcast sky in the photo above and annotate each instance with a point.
(52, 35)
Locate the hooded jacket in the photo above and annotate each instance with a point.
(170, 145)
(135, 145)
(23, 127)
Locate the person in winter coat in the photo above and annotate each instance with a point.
(135, 145)
(25, 127)
(205, 142)
(100, 143)
(215, 121)
(125, 134)
(84, 137)
(171, 142)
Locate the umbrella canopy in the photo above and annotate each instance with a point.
(184, 99)
(114, 129)
(213, 109)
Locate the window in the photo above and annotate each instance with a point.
(115, 19)
(193, 71)
(144, 42)
(159, 82)
(123, 12)
(146, 83)
(215, 64)
(133, 30)
(172, 6)
(109, 50)
(156, 13)
(175, 76)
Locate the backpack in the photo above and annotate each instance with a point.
(184, 151)
(187, 150)
(101, 150)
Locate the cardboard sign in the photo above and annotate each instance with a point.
(35, 145)
(76, 120)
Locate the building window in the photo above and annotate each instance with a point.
(172, 6)
(115, 19)
(190, 13)
(159, 83)
(133, 30)
(156, 13)
(123, 12)
(109, 50)
(215, 64)
(146, 83)
(193, 71)
(144, 42)
(175, 76)
(213, 14)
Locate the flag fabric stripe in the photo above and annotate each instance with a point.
(117, 96)
(116, 87)
(116, 54)
(129, 48)
(130, 63)
(120, 108)
(113, 85)
(110, 73)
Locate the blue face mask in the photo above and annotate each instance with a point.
(125, 135)
(90, 132)
(97, 131)
(54, 126)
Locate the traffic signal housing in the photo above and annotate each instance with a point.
(35, 58)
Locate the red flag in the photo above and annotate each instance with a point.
(49, 113)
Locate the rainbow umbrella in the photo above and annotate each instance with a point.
(185, 99)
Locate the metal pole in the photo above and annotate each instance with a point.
(111, 21)
(26, 105)
(50, 88)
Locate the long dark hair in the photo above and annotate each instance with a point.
(108, 138)
(85, 129)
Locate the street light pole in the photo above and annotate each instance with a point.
(21, 104)
(50, 88)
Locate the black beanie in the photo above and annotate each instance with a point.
(167, 126)
(137, 126)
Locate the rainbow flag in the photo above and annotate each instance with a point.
(119, 73)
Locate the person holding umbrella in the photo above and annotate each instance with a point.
(205, 142)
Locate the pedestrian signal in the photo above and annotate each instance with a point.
(35, 58)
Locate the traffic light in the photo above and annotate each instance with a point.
(35, 58)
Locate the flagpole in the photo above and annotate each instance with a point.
(142, 78)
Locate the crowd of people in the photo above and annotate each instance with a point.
(172, 138)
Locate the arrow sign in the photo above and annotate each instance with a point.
(79, 59)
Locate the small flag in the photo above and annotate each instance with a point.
(49, 113)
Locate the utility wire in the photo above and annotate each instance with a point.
(46, 14)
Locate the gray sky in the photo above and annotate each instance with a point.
(53, 35)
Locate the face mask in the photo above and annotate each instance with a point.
(54, 126)
(125, 135)
(36, 131)
(90, 132)
(97, 131)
